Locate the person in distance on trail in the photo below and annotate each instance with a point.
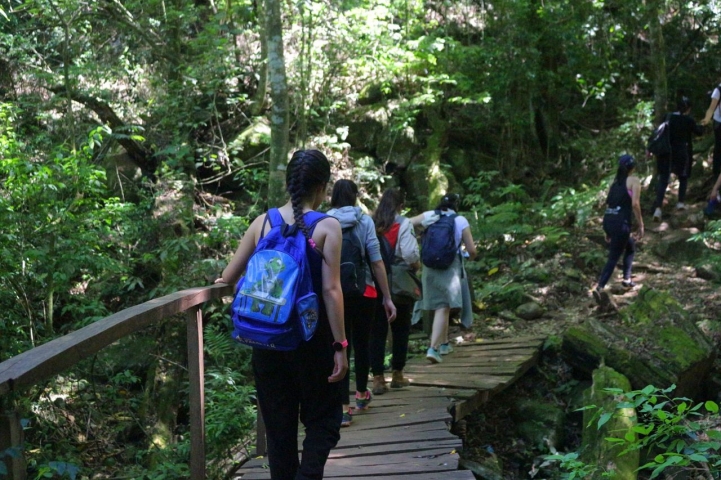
(713, 113)
(442, 288)
(623, 202)
(360, 306)
(305, 381)
(681, 130)
(397, 231)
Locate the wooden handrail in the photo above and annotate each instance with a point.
(49, 359)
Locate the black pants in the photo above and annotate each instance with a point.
(665, 166)
(401, 328)
(358, 313)
(716, 150)
(621, 244)
(293, 384)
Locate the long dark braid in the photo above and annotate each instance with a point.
(385, 214)
(307, 170)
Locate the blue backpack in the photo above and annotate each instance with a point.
(438, 244)
(275, 307)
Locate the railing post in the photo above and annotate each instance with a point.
(196, 373)
(11, 436)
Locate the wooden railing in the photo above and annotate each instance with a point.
(35, 365)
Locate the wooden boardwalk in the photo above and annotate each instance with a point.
(406, 433)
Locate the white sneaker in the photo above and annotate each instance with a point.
(657, 215)
(680, 206)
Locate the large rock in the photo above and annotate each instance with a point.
(530, 311)
(675, 246)
(654, 343)
(596, 450)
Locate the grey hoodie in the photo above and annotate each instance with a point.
(366, 231)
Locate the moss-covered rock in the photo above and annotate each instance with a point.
(676, 247)
(654, 343)
(596, 450)
(530, 311)
(540, 424)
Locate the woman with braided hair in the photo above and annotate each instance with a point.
(305, 381)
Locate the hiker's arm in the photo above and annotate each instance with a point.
(235, 268)
(467, 238)
(636, 205)
(709, 112)
(381, 277)
(715, 189)
(416, 221)
(332, 293)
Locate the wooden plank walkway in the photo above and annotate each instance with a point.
(405, 434)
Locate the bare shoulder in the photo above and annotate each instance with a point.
(328, 225)
(632, 181)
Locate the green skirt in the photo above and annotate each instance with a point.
(443, 288)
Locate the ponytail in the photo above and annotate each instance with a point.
(385, 214)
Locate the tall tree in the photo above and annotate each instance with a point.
(658, 57)
(279, 99)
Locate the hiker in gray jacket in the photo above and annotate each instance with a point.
(359, 302)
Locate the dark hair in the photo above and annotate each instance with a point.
(626, 163)
(449, 202)
(683, 104)
(307, 170)
(345, 194)
(385, 214)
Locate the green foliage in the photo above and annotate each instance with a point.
(60, 236)
(679, 433)
(712, 233)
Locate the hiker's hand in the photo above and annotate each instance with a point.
(390, 309)
(608, 239)
(341, 366)
(219, 280)
(639, 233)
(714, 194)
(705, 121)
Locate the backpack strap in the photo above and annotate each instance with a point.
(312, 218)
(273, 212)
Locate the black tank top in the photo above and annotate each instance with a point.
(618, 203)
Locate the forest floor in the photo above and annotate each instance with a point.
(487, 437)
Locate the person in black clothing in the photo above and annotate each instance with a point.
(622, 203)
(681, 130)
(304, 383)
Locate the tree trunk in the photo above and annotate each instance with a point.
(259, 100)
(279, 99)
(658, 59)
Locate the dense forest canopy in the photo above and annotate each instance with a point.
(136, 138)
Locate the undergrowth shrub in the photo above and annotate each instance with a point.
(678, 436)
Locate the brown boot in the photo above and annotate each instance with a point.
(379, 385)
(398, 381)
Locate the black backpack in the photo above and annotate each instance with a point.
(352, 263)
(438, 244)
(387, 253)
(659, 143)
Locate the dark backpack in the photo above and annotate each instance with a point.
(438, 244)
(659, 143)
(275, 307)
(352, 263)
(387, 253)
